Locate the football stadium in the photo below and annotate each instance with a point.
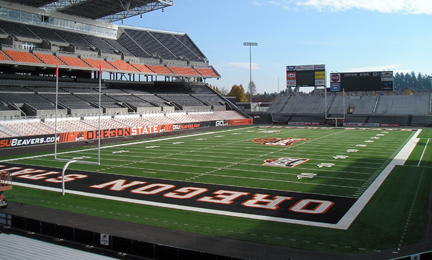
(114, 146)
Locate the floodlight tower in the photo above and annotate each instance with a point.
(250, 44)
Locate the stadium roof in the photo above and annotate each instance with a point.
(102, 10)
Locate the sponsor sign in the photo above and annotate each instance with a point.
(304, 123)
(291, 79)
(278, 141)
(291, 68)
(319, 78)
(305, 67)
(26, 141)
(335, 86)
(272, 205)
(104, 239)
(285, 162)
(371, 124)
(335, 77)
(319, 67)
(319, 74)
(387, 76)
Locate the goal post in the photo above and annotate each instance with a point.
(340, 114)
(75, 160)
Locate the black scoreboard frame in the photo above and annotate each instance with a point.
(361, 81)
(306, 76)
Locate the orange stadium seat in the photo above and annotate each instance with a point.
(95, 64)
(21, 56)
(3, 57)
(72, 61)
(159, 69)
(142, 68)
(48, 59)
(122, 65)
(183, 71)
(206, 72)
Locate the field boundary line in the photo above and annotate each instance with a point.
(358, 206)
(424, 150)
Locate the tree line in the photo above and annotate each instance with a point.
(419, 83)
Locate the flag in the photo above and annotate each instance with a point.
(100, 69)
(57, 71)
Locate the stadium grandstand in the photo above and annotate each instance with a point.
(353, 109)
(144, 71)
(70, 75)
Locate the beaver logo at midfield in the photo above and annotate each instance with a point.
(278, 141)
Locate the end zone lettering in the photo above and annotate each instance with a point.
(226, 197)
(272, 205)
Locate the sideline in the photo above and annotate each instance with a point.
(358, 206)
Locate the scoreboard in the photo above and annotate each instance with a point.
(305, 75)
(362, 81)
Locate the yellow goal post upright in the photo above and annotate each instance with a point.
(69, 161)
(341, 117)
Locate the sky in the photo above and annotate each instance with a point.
(345, 35)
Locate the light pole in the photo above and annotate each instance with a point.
(250, 44)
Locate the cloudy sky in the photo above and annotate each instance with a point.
(345, 35)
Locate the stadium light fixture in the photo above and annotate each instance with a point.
(250, 44)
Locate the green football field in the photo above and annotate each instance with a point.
(323, 161)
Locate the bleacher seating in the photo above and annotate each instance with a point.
(3, 57)
(48, 59)
(183, 71)
(17, 30)
(132, 46)
(159, 69)
(27, 127)
(403, 104)
(98, 64)
(67, 125)
(229, 115)
(21, 56)
(75, 39)
(122, 65)
(47, 34)
(133, 120)
(205, 116)
(106, 122)
(142, 68)
(206, 72)
(181, 117)
(72, 61)
(159, 119)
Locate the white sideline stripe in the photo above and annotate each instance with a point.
(424, 150)
(358, 206)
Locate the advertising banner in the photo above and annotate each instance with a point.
(319, 78)
(291, 79)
